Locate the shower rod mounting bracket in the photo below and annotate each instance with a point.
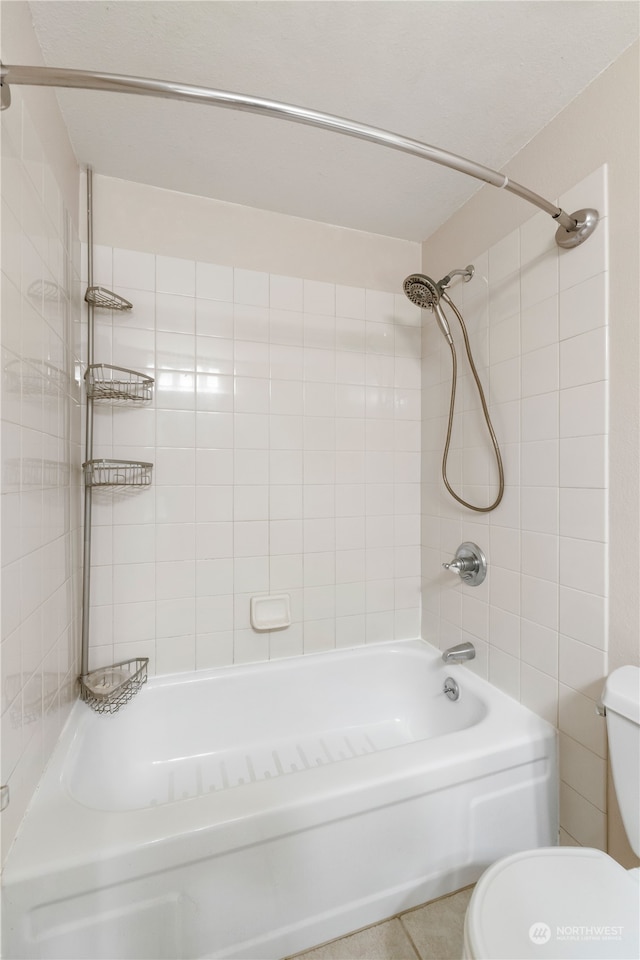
(5, 90)
(586, 222)
(573, 230)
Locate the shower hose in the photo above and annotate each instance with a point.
(485, 411)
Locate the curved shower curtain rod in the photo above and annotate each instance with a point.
(573, 229)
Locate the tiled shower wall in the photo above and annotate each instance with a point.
(40, 461)
(285, 433)
(537, 320)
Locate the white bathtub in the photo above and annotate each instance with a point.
(254, 811)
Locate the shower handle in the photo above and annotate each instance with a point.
(462, 566)
(470, 563)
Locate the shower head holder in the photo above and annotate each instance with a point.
(466, 274)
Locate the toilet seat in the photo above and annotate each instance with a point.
(556, 902)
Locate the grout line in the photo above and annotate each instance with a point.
(379, 923)
(428, 903)
(409, 937)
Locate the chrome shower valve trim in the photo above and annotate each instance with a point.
(470, 563)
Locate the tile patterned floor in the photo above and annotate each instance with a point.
(430, 932)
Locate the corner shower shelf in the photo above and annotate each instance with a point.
(106, 382)
(101, 297)
(117, 473)
(107, 689)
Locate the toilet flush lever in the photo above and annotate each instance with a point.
(470, 563)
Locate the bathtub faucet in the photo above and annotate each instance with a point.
(462, 651)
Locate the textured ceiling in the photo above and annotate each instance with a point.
(477, 78)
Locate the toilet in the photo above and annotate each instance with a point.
(570, 902)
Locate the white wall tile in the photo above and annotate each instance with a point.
(250, 502)
(379, 306)
(582, 667)
(214, 577)
(176, 579)
(504, 672)
(504, 257)
(214, 318)
(539, 509)
(583, 565)
(350, 302)
(540, 601)
(504, 589)
(540, 370)
(584, 771)
(214, 282)
(583, 462)
(578, 719)
(539, 463)
(540, 555)
(539, 647)
(175, 314)
(583, 513)
(286, 293)
(250, 322)
(319, 297)
(584, 410)
(583, 820)
(539, 692)
(131, 268)
(175, 654)
(213, 354)
(583, 307)
(583, 617)
(583, 358)
(251, 287)
(286, 327)
(214, 650)
(539, 324)
(133, 582)
(284, 466)
(591, 258)
(351, 340)
(285, 537)
(174, 275)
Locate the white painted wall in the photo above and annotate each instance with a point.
(134, 216)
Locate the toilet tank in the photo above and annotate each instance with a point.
(621, 697)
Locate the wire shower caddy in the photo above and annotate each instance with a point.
(109, 688)
(103, 381)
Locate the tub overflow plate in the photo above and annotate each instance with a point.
(451, 688)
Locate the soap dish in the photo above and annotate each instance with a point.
(270, 613)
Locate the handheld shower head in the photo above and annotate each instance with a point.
(426, 293)
(422, 290)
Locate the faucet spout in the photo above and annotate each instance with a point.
(462, 651)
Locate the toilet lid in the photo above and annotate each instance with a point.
(556, 902)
